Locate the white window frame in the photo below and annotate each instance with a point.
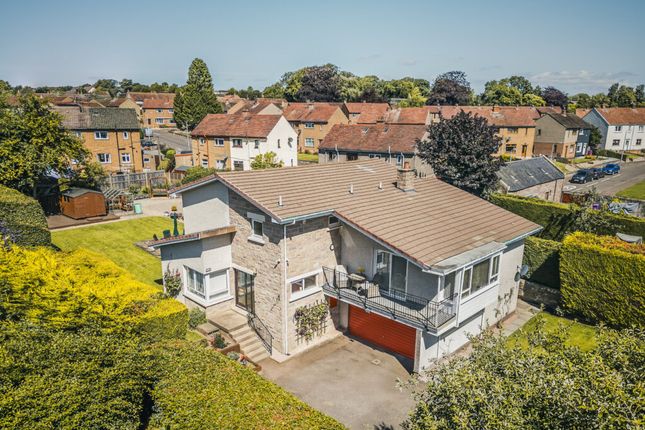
(389, 284)
(209, 297)
(205, 162)
(159, 120)
(126, 135)
(126, 158)
(108, 158)
(237, 161)
(218, 142)
(236, 143)
(256, 219)
(99, 133)
(202, 140)
(304, 291)
(78, 134)
(638, 142)
(640, 128)
(220, 164)
(312, 140)
(615, 142)
(619, 128)
(159, 110)
(309, 125)
(493, 277)
(399, 160)
(256, 143)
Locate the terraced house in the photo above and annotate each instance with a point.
(232, 141)
(158, 112)
(111, 134)
(410, 264)
(312, 122)
(622, 129)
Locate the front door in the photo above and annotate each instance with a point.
(244, 291)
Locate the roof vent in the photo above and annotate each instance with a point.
(280, 201)
(405, 178)
(351, 188)
(380, 185)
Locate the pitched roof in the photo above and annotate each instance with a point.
(499, 116)
(104, 118)
(522, 174)
(253, 106)
(116, 102)
(75, 192)
(548, 109)
(236, 125)
(581, 112)
(435, 222)
(410, 115)
(374, 137)
(139, 97)
(368, 113)
(569, 120)
(623, 116)
(166, 102)
(310, 112)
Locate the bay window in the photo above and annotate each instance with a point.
(208, 287)
(195, 282)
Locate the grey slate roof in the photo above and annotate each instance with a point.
(522, 174)
(110, 118)
(569, 120)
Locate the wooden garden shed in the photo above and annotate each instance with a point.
(81, 203)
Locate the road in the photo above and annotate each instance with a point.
(170, 140)
(629, 175)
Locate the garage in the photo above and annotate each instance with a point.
(381, 331)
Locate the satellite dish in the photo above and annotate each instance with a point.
(524, 270)
(517, 277)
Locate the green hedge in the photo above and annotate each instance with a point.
(200, 388)
(603, 279)
(23, 217)
(558, 219)
(543, 258)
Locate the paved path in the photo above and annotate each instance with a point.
(523, 314)
(630, 174)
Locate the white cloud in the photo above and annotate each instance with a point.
(582, 80)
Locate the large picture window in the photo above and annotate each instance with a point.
(480, 275)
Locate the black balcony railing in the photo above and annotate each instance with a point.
(262, 331)
(419, 311)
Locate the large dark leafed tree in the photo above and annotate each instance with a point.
(319, 84)
(460, 152)
(450, 88)
(197, 98)
(554, 97)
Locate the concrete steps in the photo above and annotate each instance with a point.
(237, 327)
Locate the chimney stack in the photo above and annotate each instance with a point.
(405, 178)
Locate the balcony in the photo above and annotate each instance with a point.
(409, 309)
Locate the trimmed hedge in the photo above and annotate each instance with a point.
(603, 279)
(543, 258)
(72, 291)
(200, 388)
(24, 219)
(558, 218)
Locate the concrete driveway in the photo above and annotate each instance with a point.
(348, 380)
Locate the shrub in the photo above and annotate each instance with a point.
(196, 317)
(172, 282)
(195, 173)
(202, 388)
(81, 289)
(602, 279)
(543, 258)
(23, 219)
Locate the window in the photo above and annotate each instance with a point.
(125, 157)
(104, 158)
(195, 283)
(331, 156)
(638, 142)
(511, 148)
(627, 143)
(159, 120)
(257, 144)
(257, 228)
(77, 134)
(238, 165)
(512, 130)
(159, 110)
(289, 142)
(309, 125)
(581, 132)
(126, 135)
(399, 160)
(619, 127)
(539, 132)
(301, 285)
(309, 142)
(218, 142)
(640, 128)
(332, 221)
(220, 164)
(480, 275)
(374, 156)
(391, 273)
(495, 269)
(204, 162)
(237, 143)
(525, 149)
(615, 142)
(202, 140)
(100, 135)
(170, 110)
(146, 160)
(278, 144)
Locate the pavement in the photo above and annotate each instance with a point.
(348, 380)
(164, 137)
(630, 173)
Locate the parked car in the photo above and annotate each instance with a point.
(597, 173)
(582, 177)
(611, 169)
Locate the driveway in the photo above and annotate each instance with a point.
(348, 380)
(630, 174)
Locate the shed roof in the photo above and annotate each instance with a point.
(76, 192)
(521, 174)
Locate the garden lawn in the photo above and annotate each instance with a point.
(116, 241)
(636, 191)
(581, 335)
(312, 158)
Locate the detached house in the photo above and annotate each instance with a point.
(622, 129)
(111, 134)
(393, 143)
(312, 122)
(232, 141)
(413, 265)
(561, 135)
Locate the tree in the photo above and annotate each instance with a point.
(197, 98)
(414, 99)
(274, 91)
(531, 99)
(543, 384)
(622, 96)
(554, 97)
(266, 161)
(460, 151)
(34, 145)
(319, 84)
(582, 100)
(512, 91)
(640, 95)
(595, 139)
(249, 93)
(197, 172)
(451, 88)
(89, 175)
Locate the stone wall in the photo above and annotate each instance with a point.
(550, 191)
(539, 295)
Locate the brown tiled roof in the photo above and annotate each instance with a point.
(500, 116)
(548, 109)
(116, 102)
(429, 225)
(141, 96)
(310, 112)
(159, 103)
(253, 106)
(623, 116)
(236, 125)
(368, 113)
(582, 112)
(411, 115)
(374, 137)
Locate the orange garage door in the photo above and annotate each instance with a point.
(382, 331)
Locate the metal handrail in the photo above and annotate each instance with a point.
(261, 330)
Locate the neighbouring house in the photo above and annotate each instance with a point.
(532, 177)
(126, 103)
(561, 135)
(232, 141)
(312, 122)
(514, 124)
(393, 143)
(413, 265)
(228, 100)
(111, 134)
(79, 203)
(158, 112)
(366, 113)
(543, 110)
(622, 129)
(424, 115)
(184, 159)
(259, 106)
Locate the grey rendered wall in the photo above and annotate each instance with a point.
(205, 208)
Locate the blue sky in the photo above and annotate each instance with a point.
(574, 45)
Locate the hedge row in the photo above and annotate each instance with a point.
(558, 219)
(72, 291)
(543, 259)
(23, 219)
(603, 279)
